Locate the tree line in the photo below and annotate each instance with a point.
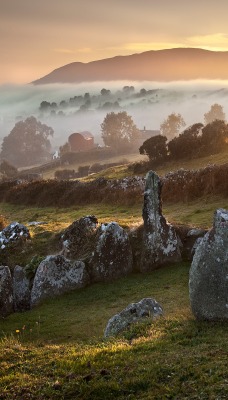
(195, 141)
(29, 141)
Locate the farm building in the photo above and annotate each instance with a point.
(82, 141)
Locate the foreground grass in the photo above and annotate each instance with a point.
(60, 352)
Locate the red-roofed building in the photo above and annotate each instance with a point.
(82, 141)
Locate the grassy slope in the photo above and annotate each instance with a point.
(59, 351)
(49, 174)
(61, 354)
(198, 213)
(122, 171)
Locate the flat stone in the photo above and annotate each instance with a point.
(134, 312)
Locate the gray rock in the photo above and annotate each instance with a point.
(160, 243)
(135, 312)
(208, 280)
(112, 257)
(13, 234)
(196, 232)
(78, 238)
(57, 275)
(6, 291)
(21, 290)
(190, 238)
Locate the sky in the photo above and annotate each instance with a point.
(39, 36)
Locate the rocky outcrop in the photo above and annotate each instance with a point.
(208, 280)
(78, 238)
(189, 238)
(13, 234)
(135, 312)
(112, 256)
(6, 291)
(160, 243)
(57, 275)
(21, 290)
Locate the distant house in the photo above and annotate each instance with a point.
(147, 134)
(55, 156)
(82, 141)
(144, 134)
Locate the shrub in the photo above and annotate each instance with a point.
(65, 174)
(3, 222)
(31, 267)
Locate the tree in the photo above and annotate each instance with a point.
(118, 130)
(216, 112)
(105, 92)
(155, 148)
(65, 148)
(214, 137)
(187, 144)
(172, 125)
(44, 106)
(8, 169)
(28, 143)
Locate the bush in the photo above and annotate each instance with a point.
(3, 222)
(65, 174)
(83, 170)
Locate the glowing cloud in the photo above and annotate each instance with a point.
(216, 41)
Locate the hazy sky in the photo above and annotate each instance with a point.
(39, 36)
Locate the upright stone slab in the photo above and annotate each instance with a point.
(208, 279)
(6, 291)
(56, 275)
(21, 290)
(78, 238)
(160, 244)
(112, 257)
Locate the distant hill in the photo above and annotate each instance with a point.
(160, 65)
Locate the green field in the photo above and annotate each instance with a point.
(57, 350)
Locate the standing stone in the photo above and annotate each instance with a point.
(135, 312)
(112, 257)
(78, 238)
(21, 290)
(160, 243)
(56, 275)
(6, 291)
(208, 280)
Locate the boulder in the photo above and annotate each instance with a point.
(13, 234)
(6, 291)
(160, 243)
(21, 290)
(112, 256)
(189, 240)
(135, 312)
(57, 275)
(208, 279)
(78, 238)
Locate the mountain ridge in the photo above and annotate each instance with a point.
(154, 65)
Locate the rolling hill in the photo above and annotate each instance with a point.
(160, 65)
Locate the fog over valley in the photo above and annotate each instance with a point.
(83, 107)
